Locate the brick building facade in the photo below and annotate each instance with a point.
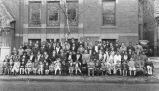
(96, 20)
(40, 20)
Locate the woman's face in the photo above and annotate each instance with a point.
(78, 52)
(57, 44)
(54, 44)
(70, 53)
(38, 52)
(53, 52)
(47, 64)
(45, 53)
(86, 51)
(122, 44)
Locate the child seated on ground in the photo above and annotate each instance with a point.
(58, 66)
(71, 67)
(5, 67)
(139, 64)
(11, 64)
(91, 67)
(35, 66)
(28, 67)
(103, 68)
(84, 68)
(124, 68)
(132, 68)
(40, 68)
(77, 67)
(51, 67)
(118, 68)
(22, 66)
(110, 66)
(46, 68)
(15, 68)
(64, 67)
(149, 67)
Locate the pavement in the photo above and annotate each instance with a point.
(103, 79)
(74, 86)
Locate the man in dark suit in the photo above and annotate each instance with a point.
(96, 47)
(49, 49)
(79, 57)
(74, 47)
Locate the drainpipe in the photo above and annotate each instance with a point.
(156, 38)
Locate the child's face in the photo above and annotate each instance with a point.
(131, 59)
(118, 63)
(41, 63)
(38, 52)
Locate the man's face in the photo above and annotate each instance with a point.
(104, 42)
(73, 40)
(73, 44)
(38, 52)
(96, 43)
(122, 44)
(130, 44)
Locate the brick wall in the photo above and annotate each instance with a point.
(90, 20)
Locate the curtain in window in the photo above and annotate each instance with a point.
(72, 12)
(108, 12)
(53, 13)
(35, 13)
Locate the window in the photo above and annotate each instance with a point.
(35, 13)
(53, 13)
(72, 12)
(108, 12)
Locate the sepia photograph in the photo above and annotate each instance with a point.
(79, 45)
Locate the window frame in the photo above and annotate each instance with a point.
(30, 14)
(77, 12)
(114, 14)
(47, 14)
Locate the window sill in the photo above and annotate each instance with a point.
(108, 26)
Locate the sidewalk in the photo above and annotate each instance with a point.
(104, 79)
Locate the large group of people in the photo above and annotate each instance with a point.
(77, 58)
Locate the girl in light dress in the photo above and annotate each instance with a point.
(40, 68)
(28, 67)
(77, 67)
(71, 67)
(57, 66)
(15, 68)
(110, 62)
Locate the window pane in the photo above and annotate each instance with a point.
(34, 13)
(108, 19)
(72, 12)
(53, 13)
(108, 12)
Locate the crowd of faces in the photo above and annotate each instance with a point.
(77, 58)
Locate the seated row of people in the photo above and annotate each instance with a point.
(92, 66)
